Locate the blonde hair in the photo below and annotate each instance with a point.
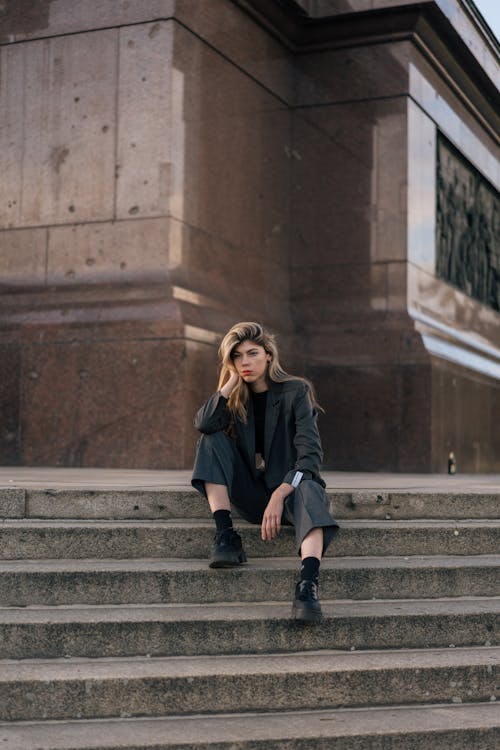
(254, 332)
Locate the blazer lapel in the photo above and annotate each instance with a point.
(272, 414)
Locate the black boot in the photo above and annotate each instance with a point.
(227, 551)
(306, 604)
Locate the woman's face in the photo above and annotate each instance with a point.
(251, 362)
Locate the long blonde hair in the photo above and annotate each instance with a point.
(254, 332)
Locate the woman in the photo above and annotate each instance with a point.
(260, 450)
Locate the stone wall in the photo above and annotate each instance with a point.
(144, 208)
(172, 167)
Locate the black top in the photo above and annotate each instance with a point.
(259, 401)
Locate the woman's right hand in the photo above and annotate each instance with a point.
(230, 385)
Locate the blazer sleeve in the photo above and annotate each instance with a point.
(213, 415)
(307, 441)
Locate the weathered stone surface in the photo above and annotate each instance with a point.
(12, 503)
(27, 20)
(24, 256)
(66, 172)
(123, 251)
(182, 502)
(80, 503)
(263, 579)
(258, 627)
(28, 539)
(443, 726)
(176, 686)
(146, 92)
(106, 418)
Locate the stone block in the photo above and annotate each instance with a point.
(331, 171)
(144, 151)
(236, 36)
(465, 410)
(105, 404)
(12, 502)
(345, 292)
(28, 20)
(249, 285)
(352, 73)
(115, 252)
(231, 152)
(62, 126)
(349, 176)
(24, 257)
(376, 416)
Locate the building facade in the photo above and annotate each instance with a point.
(172, 167)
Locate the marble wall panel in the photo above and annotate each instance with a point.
(376, 418)
(352, 73)
(104, 404)
(122, 251)
(332, 185)
(247, 285)
(23, 257)
(465, 410)
(11, 134)
(90, 314)
(349, 197)
(340, 292)
(368, 342)
(232, 164)
(67, 169)
(25, 19)
(236, 36)
(144, 168)
(391, 181)
(397, 287)
(201, 378)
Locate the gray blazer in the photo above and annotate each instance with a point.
(291, 438)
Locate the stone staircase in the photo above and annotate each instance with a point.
(114, 633)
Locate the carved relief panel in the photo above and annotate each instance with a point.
(467, 227)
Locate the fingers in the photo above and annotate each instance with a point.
(271, 525)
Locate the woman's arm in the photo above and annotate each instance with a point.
(309, 453)
(214, 415)
(306, 440)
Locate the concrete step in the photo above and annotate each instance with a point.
(103, 688)
(440, 727)
(188, 538)
(188, 629)
(183, 502)
(147, 581)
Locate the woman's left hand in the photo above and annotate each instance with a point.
(271, 521)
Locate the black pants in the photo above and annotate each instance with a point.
(219, 461)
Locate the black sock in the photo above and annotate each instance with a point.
(310, 569)
(223, 520)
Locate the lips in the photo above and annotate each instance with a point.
(246, 372)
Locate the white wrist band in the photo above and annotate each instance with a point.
(296, 480)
